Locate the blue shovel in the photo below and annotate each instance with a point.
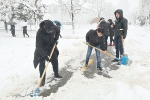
(124, 58)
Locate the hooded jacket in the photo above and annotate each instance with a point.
(44, 41)
(121, 24)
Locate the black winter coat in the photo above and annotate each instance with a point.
(93, 39)
(44, 43)
(105, 25)
(121, 23)
(111, 30)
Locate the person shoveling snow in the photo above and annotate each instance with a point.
(96, 39)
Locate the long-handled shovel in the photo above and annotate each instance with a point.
(123, 61)
(39, 84)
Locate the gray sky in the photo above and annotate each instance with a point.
(132, 3)
(126, 5)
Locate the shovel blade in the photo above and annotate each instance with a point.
(125, 60)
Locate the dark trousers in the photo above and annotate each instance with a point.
(54, 62)
(118, 46)
(106, 38)
(13, 34)
(111, 39)
(97, 55)
(26, 34)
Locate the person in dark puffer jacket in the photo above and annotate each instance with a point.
(111, 32)
(120, 32)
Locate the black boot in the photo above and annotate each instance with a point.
(115, 60)
(86, 64)
(58, 76)
(119, 63)
(99, 69)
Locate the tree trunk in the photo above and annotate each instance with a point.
(6, 27)
(73, 22)
(72, 16)
(35, 20)
(35, 14)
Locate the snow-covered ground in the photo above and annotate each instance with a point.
(18, 77)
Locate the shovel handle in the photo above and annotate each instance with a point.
(122, 41)
(46, 66)
(108, 54)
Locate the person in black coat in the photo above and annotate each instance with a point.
(105, 25)
(25, 31)
(120, 29)
(46, 37)
(111, 30)
(96, 39)
(12, 29)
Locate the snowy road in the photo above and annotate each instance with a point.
(18, 77)
(67, 72)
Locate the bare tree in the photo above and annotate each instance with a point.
(22, 10)
(135, 15)
(109, 11)
(7, 11)
(102, 8)
(97, 6)
(144, 12)
(72, 6)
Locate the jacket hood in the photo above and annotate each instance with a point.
(110, 20)
(41, 24)
(119, 11)
(46, 23)
(49, 26)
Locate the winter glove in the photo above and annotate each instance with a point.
(87, 43)
(47, 58)
(55, 41)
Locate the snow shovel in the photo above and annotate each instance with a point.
(39, 84)
(123, 61)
